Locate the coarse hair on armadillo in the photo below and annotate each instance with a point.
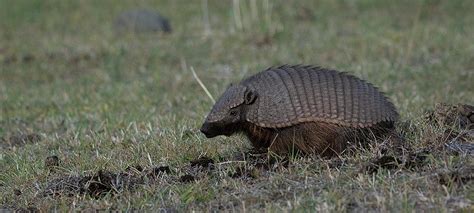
(322, 138)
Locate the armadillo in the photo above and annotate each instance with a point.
(302, 108)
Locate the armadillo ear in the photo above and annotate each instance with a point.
(250, 96)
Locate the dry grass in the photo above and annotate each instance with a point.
(71, 87)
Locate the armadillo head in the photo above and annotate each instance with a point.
(227, 112)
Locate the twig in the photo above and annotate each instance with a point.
(202, 85)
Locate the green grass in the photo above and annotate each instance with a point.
(102, 100)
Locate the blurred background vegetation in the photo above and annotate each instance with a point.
(67, 73)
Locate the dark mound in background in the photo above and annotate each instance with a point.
(142, 20)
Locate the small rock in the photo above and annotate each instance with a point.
(142, 20)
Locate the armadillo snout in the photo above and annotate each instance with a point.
(206, 129)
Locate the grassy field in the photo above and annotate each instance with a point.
(108, 103)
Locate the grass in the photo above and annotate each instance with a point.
(100, 100)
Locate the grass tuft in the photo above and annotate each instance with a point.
(83, 105)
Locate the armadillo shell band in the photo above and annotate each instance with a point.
(290, 95)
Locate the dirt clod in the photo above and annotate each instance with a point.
(51, 163)
(456, 142)
(385, 162)
(305, 14)
(460, 203)
(186, 178)
(155, 172)
(66, 185)
(461, 147)
(10, 59)
(416, 160)
(204, 162)
(459, 115)
(457, 177)
(29, 209)
(103, 182)
(457, 129)
(100, 184)
(408, 161)
(242, 172)
(352, 206)
(263, 40)
(27, 58)
(21, 139)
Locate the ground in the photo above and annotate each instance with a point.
(92, 118)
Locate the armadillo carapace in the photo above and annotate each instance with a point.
(302, 108)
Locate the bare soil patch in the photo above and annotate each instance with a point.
(19, 139)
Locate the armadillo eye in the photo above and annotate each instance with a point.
(233, 112)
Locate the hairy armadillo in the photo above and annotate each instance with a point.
(301, 108)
